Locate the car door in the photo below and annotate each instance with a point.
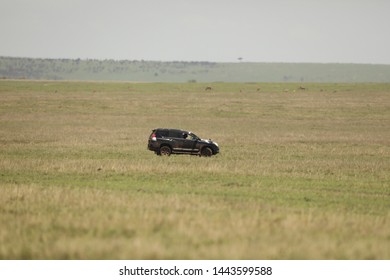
(189, 144)
(177, 140)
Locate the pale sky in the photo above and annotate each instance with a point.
(325, 31)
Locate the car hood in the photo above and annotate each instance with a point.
(208, 141)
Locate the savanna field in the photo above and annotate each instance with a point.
(302, 173)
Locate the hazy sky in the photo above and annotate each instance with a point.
(351, 31)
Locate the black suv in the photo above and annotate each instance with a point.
(164, 141)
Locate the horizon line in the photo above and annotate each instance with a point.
(239, 61)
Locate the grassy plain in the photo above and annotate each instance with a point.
(302, 174)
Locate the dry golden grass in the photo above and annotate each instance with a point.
(75, 223)
(301, 174)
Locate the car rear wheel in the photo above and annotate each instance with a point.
(165, 151)
(206, 152)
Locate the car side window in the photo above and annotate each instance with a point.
(175, 134)
(191, 137)
(162, 133)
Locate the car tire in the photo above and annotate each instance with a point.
(165, 151)
(206, 152)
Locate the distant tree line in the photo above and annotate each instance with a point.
(188, 71)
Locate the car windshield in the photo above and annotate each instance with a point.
(192, 136)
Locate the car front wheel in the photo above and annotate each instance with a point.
(206, 152)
